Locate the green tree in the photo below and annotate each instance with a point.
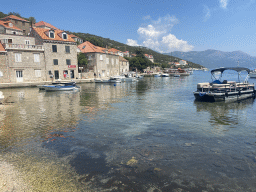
(32, 19)
(82, 60)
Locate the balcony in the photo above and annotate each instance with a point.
(23, 47)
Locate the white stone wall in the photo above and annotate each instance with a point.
(62, 56)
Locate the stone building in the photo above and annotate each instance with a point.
(20, 23)
(23, 62)
(100, 61)
(6, 27)
(124, 65)
(60, 52)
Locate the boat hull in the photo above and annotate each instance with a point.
(226, 97)
(58, 88)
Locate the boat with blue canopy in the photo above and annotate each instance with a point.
(225, 90)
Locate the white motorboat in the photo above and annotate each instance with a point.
(165, 75)
(59, 86)
(102, 80)
(115, 80)
(226, 91)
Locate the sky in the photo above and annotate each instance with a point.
(162, 25)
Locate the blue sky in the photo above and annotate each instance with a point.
(162, 25)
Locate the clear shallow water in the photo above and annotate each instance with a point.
(145, 136)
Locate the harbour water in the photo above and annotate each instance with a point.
(148, 135)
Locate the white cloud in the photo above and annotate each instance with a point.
(223, 3)
(132, 42)
(149, 31)
(172, 43)
(157, 35)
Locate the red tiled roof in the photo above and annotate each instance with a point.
(57, 35)
(122, 59)
(5, 24)
(42, 23)
(113, 50)
(2, 49)
(88, 47)
(14, 17)
(73, 35)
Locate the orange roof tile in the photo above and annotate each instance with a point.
(5, 24)
(2, 49)
(88, 47)
(113, 50)
(14, 17)
(73, 36)
(57, 35)
(42, 23)
(122, 59)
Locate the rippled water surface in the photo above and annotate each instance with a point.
(148, 135)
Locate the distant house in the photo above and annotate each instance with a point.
(20, 23)
(60, 52)
(126, 54)
(7, 27)
(100, 60)
(177, 64)
(43, 24)
(183, 62)
(150, 57)
(77, 39)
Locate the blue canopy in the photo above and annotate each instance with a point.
(237, 69)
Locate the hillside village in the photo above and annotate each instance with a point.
(36, 52)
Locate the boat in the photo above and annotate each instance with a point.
(252, 74)
(99, 80)
(114, 80)
(165, 75)
(157, 75)
(227, 91)
(59, 86)
(178, 72)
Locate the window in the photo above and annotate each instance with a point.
(50, 72)
(67, 49)
(64, 36)
(16, 22)
(56, 74)
(14, 33)
(19, 74)
(36, 58)
(90, 57)
(112, 61)
(23, 23)
(54, 48)
(55, 61)
(24, 31)
(9, 40)
(17, 57)
(68, 61)
(27, 42)
(101, 57)
(51, 34)
(107, 61)
(37, 73)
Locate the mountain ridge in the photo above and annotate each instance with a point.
(212, 58)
